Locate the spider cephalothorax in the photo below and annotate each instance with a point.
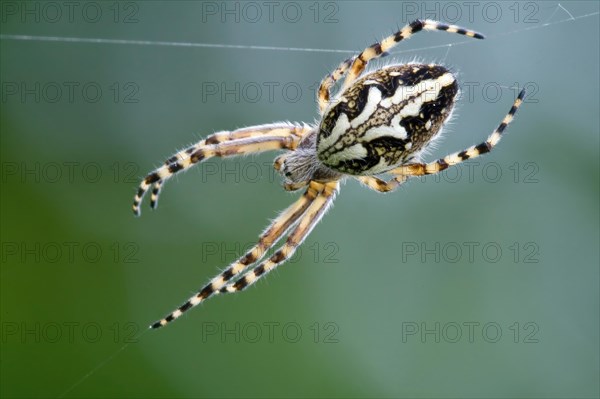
(301, 166)
(378, 123)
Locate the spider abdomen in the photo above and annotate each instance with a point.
(385, 117)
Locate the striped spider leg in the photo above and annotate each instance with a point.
(378, 49)
(326, 193)
(420, 169)
(304, 214)
(357, 64)
(252, 139)
(378, 123)
(324, 93)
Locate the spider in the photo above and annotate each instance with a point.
(378, 123)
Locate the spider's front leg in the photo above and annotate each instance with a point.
(302, 208)
(313, 215)
(223, 144)
(420, 169)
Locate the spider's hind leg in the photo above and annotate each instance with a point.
(420, 169)
(324, 93)
(377, 184)
(353, 67)
(380, 49)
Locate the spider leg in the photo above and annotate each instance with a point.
(377, 184)
(324, 93)
(214, 138)
(266, 240)
(222, 144)
(419, 169)
(310, 219)
(378, 49)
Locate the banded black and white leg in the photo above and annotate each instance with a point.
(325, 197)
(242, 141)
(377, 184)
(420, 169)
(278, 228)
(378, 49)
(215, 138)
(324, 93)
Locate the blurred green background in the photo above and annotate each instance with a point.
(480, 283)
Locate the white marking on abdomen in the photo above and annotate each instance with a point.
(395, 122)
(384, 130)
(341, 126)
(429, 88)
(370, 107)
(356, 151)
(382, 166)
